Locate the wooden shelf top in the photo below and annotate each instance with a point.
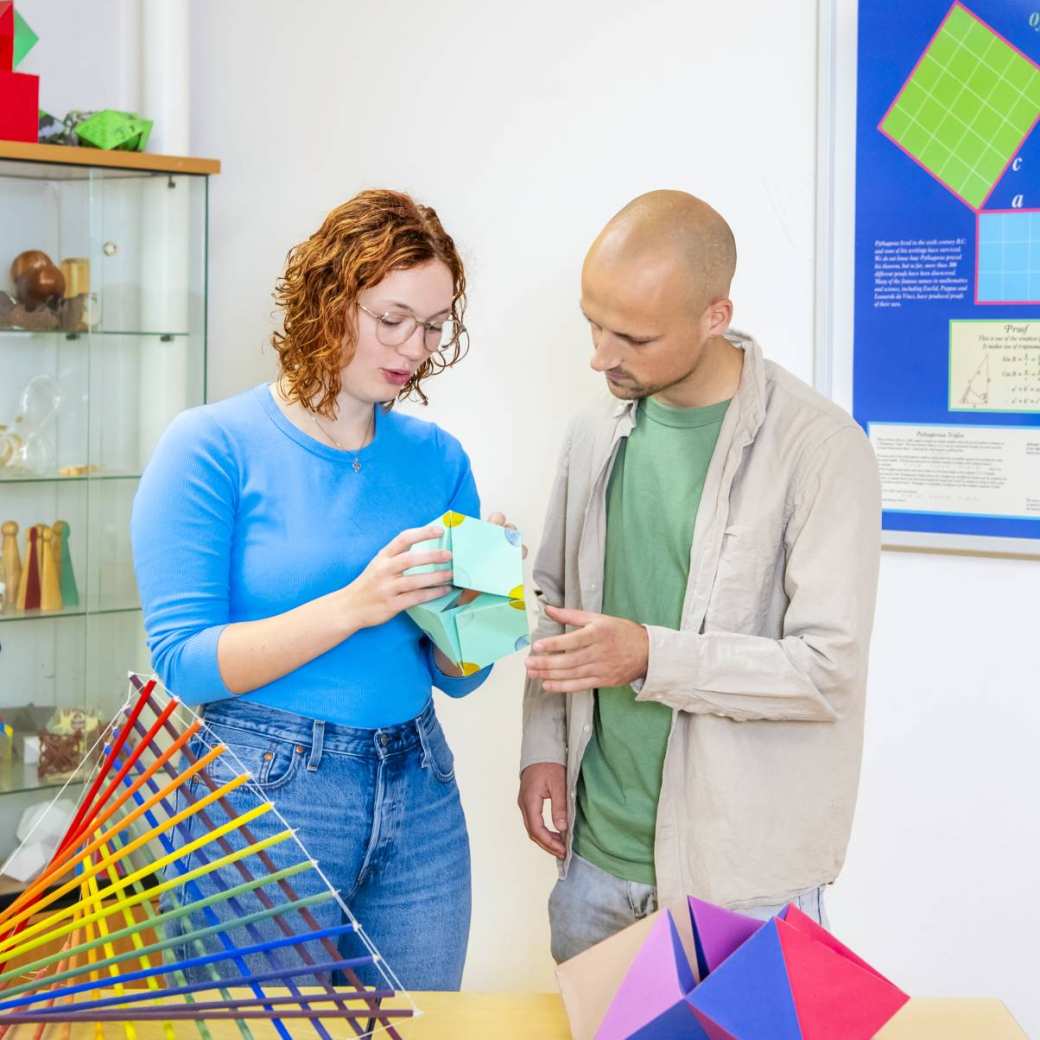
(68, 156)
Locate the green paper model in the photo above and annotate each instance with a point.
(24, 38)
(112, 130)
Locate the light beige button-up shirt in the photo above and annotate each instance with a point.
(767, 675)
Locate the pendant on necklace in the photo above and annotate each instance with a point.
(357, 466)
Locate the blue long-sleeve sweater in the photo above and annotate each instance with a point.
(240, 516)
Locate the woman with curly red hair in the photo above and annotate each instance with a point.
(272, 535)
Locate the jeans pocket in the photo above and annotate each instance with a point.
(438, 755)
(270, 761)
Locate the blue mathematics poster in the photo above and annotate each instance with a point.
(947, 296)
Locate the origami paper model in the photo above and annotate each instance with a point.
(651, 1001)
(786, 979)
(488, 559)
(717, 932)
(805, 984)
(24, 39)
(589, 982)
(162, 905)
(110, 129)
(19, 92)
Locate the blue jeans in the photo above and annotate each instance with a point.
(378, 810)
(590, 905)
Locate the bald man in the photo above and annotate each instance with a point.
(693, 712)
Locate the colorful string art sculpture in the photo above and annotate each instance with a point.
(162, 909)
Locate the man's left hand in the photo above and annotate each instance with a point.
(602, 651)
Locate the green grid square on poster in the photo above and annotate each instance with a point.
(979, 40)
(1019, 73)
(968, 107)
(914, 139)
(935, 155)
(962, 65)
(982, 81)
(980, 98)
(950, 132)
(898, 122)
(1002, 97)
(947, 88)
(990, 166)
(928, 74)
(987, 123)
(1022, 115)
(912, 99)
(1005, 141)
(958, 24)
(931, 115)
(956, 171)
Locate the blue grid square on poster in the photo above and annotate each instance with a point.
(1009, 257)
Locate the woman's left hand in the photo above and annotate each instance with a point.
(446, 666)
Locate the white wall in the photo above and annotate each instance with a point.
(527, 127)
(86, 56)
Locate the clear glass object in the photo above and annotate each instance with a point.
(87, 385)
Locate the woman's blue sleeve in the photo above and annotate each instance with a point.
(181, 529)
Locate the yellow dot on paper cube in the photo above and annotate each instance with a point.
(468, 668)
(451, 519)
(518, 594)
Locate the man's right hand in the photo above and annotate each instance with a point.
(537, 782)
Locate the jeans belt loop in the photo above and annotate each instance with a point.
(317, 745)
(424, 742)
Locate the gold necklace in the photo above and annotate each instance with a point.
(357, 462)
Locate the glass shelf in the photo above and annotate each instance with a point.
(63, 334)
(99, 397)
(54, 615)
(34, 479)
(17, 777)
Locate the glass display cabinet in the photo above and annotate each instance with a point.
(102, 343)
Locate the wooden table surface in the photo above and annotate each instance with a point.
(540, 1016)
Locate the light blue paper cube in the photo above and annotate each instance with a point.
(488, 559)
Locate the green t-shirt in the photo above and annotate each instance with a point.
(652, 500)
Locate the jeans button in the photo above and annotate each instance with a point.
(383, 740)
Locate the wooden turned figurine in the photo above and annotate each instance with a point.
(29, 587)
(50, 590)
(10, 565)
(66, 577)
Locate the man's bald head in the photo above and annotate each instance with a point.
(675, 229)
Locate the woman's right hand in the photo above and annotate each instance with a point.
(383, 590)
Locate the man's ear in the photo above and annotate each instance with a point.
(717, 317)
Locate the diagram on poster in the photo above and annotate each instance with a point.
(966, 107)
(1008, 256)
(995, 366)
(947, 323)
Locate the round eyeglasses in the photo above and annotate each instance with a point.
(396, 327)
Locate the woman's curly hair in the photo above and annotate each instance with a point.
(359, 243)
